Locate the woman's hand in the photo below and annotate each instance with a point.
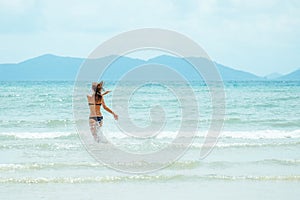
(108, 91)
(115, 116)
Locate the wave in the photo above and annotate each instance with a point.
(70, 141)
(250, 145)
(36, 135)
(280, 123)
(242, 136)
(145, 178)
(42, 166)
(253, 135)
(261, 134)
(53, 123)
(44, 146)
(78, 146)
(279, 162)
(179, 165)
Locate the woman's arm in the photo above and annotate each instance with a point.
(109, 110)
(108, 91)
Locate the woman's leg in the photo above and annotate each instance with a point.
(93, 129)
(102, 138)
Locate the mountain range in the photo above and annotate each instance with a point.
(52, 67)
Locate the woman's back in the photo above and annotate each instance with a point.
(94, 106)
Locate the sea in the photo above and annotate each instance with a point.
(257, 154)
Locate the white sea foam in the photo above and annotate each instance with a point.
(259, 134)
(36, 135)
(252, 135)
(146, 178)
(262, 134)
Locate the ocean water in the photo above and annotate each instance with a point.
(256, 157)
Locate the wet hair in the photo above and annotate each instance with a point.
(98, 90)
(94, 86)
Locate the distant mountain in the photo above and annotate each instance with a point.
(45, 67)
(52, 67)
(228, 74)
(181, 65)
(293, 76)
(273, 76)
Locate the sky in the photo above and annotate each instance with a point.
(258, 36)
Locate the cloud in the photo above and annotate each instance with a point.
(93, 16)
(16, 6)
(19, 16)
(229, 30)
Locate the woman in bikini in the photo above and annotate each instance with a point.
(95, 101)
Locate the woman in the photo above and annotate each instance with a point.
(95, 101)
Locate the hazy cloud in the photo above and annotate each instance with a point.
(254, 35)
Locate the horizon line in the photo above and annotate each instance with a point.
(145, 60)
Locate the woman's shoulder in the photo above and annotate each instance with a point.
(89, 96)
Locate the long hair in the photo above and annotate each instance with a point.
(94, 86)
(98, 95)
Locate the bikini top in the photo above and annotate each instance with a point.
(92, 104)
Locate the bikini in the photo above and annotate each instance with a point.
(92, 104)
(97, 119)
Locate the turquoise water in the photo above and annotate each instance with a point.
(256, 157)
